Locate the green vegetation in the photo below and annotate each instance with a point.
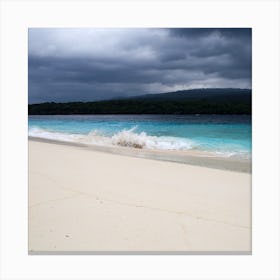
(204, 101)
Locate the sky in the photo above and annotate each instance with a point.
(89, 64)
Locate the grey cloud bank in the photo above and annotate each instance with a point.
(69, 64)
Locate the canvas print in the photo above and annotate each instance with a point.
(140, 140)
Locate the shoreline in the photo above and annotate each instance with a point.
(195, 158)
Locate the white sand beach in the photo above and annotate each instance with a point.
(81, 200)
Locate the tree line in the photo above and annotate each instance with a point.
(146, 106)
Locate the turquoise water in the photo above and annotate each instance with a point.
(228, 135)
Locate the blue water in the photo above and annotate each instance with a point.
(224, 134)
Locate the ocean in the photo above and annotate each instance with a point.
(224, 135)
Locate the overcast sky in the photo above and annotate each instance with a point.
(93, 64)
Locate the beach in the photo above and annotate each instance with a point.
(84, 200)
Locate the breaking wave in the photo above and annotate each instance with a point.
(131, 138)
(124, 138)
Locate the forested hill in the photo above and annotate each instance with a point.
(195, 101)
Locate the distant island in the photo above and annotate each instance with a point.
(194, 101)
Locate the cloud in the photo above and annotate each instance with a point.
(93, 64)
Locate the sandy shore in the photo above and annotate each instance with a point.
(83, 200)
(192, 157)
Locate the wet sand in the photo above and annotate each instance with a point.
(192, 157)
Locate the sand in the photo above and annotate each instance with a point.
(87, 201)
(192, 157)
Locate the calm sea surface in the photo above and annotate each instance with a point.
(227, 135)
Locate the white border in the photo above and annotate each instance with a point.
(262, 16)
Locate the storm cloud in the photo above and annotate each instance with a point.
(70, 64)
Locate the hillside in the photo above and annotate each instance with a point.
(195, 101)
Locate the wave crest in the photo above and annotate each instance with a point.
(128, 138)
(124, 138)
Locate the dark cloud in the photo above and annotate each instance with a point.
(234, 33)
(94, 64)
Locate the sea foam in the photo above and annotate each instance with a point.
(125, 138)
(133, 139)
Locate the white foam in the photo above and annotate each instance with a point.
(126, 138)
(53, 135)
(129, 138)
